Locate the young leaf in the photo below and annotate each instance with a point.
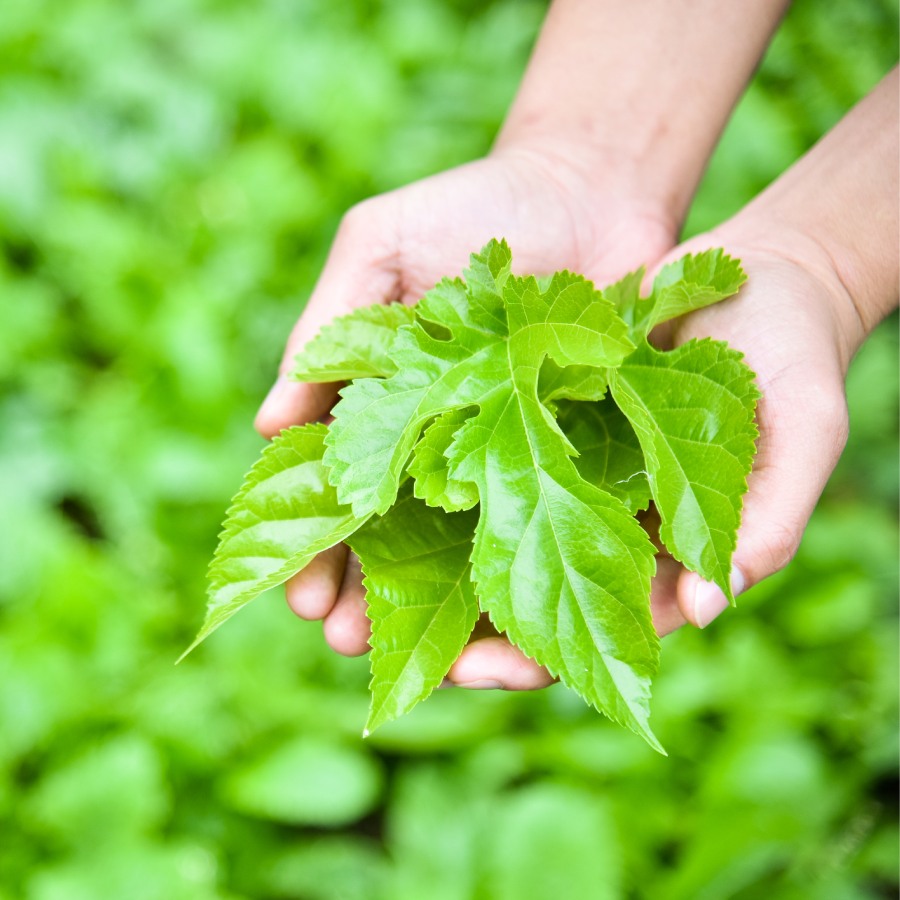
(284, 514)
(610, 454)
(692, 282)
(561, 566)
(430, 466)
(353, 346)
(692, 409)
(689, 283)
(421, 600)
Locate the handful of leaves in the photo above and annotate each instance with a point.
(489, 455)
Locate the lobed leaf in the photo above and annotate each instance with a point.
(689, 283)
(356, 345)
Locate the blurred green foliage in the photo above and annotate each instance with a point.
(171, 173)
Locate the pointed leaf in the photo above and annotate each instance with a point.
(353, 346)
(421, 600)
(692, 409)
(284, 514)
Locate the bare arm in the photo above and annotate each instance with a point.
(642, 89)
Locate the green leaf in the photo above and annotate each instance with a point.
(692, 409)
(485, 277)
(421, 600)
(284, 514)
(560, 565)
(353, 346)
(430, 466)
(625, 295)
(689, 283)
(692, 282)
(610, 455)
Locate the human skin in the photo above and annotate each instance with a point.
(591, 172)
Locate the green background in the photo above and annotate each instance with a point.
(171, 174)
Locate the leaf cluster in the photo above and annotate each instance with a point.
(489, 456)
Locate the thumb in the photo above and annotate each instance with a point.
(361, 269)
(803, 429)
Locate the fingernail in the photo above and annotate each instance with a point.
(710, 600)
(482, 684)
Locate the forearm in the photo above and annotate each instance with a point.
(642, 90)
(837, 210)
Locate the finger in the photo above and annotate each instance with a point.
(495, 663)
(361, 269)
(667, 616)
(313, 591)
(664, 609)
(347, 629)
(803, 429)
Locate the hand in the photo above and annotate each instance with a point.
(819, 247)
(554, 214)
(798, 329)
(795, 323)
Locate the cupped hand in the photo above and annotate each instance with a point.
(554, 215)
(798, 329)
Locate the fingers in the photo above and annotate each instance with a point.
(803, 429)
(330, 588)
(495, 663)
(346, 627)
(664, 607)
(361, 269)
(313, 591)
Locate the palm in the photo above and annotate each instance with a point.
(551, 221)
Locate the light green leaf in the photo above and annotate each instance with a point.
(569, 383)
(691, 283)
(692, 409)
(421, 600)
(353, 346)
(610, 454)
(485, 277)
(625, 295)
(284, 514)
(560, 565)
(429, 465)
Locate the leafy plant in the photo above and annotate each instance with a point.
(489, 456)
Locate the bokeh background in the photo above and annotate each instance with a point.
(171, 174)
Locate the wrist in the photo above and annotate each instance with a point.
(752, 233)
(609, 183)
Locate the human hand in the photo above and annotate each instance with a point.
(798, 328)
(819, 247)
(554, 213)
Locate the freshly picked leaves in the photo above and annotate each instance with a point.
(489, 455)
